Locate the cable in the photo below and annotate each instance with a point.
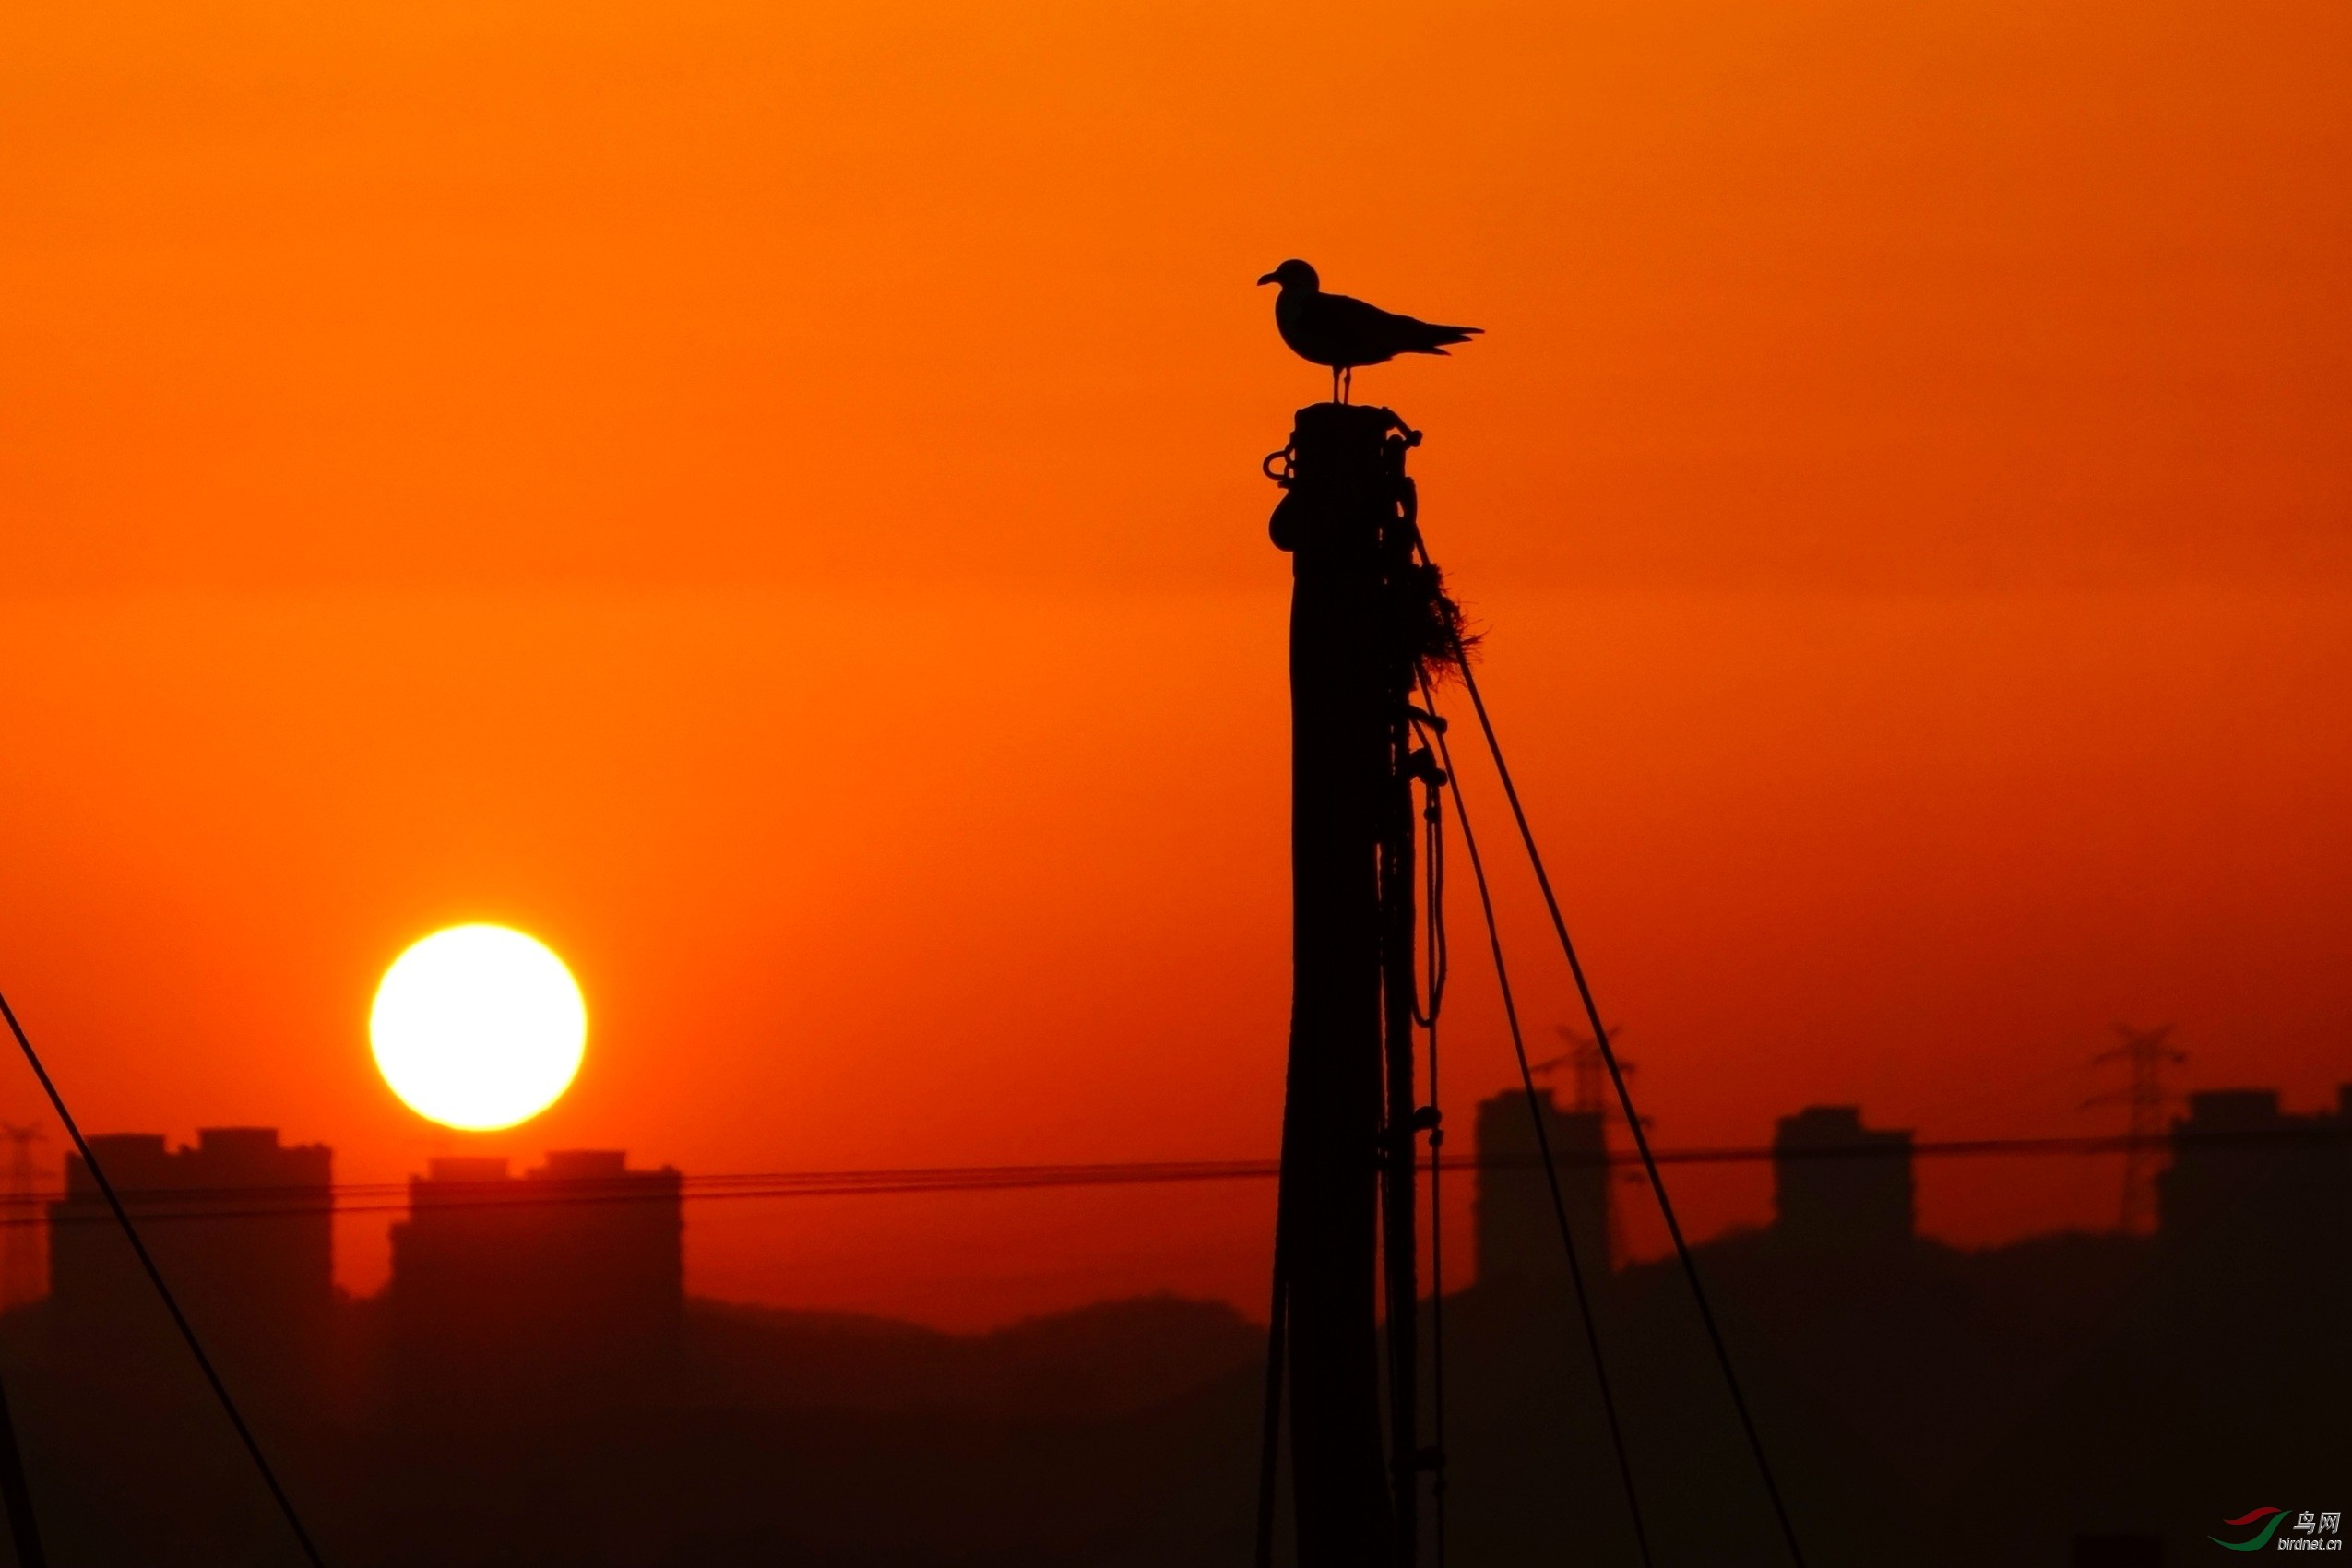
(1625, 1101)
(1543, 1144)
(187, 1330)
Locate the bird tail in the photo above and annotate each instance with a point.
(1436, 336)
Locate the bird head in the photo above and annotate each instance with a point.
(1293, 274)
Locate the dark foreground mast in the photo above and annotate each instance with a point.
(1364, 617)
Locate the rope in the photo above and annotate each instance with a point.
(1543, 1144)
(1625, 1101)
(1434, 954)
(155, 1275)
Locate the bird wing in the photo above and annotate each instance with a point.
(1373, 334)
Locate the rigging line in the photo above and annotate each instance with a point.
(1270, 1429)
(1625, 1103)
(155, 1275)
(24, 1530)
(1543, 1144)
(1433, 858)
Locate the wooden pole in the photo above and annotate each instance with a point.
(1350, 678)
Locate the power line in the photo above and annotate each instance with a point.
(155, 1275)
(218, 1203)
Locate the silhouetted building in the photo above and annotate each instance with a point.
(24, 1256)
(562, 1285)
(241, 1226)
(1518, 1233)
(1839, 1185)
(2234, 1142)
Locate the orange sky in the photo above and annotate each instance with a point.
(768, 501)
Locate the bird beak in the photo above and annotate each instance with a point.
(1269, 278)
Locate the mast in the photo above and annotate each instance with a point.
(1360, 607)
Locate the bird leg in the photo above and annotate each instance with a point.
(1335, 383)
(1347, 384)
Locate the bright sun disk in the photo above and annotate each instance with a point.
(478, 1027)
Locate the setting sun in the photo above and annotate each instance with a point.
(479, 1028)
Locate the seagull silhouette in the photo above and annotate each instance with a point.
(1332, 329)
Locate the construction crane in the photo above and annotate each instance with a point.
(1584, 1054)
